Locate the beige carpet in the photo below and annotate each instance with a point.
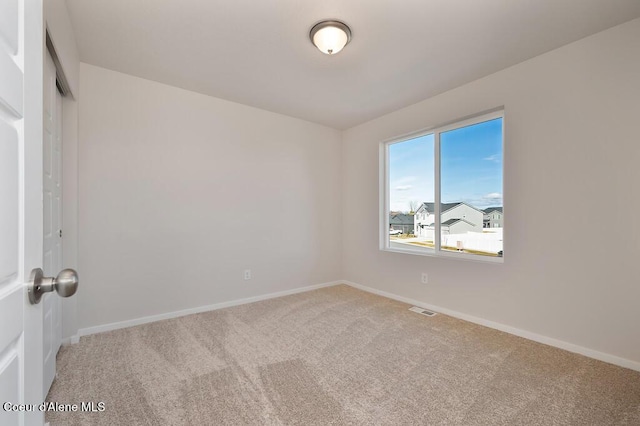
(334, 356)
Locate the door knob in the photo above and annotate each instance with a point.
(66, 284)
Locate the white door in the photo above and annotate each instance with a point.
(52, 204)
(21, 88)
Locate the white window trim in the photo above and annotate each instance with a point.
(384, 189)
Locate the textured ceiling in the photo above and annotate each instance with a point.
(258, 52)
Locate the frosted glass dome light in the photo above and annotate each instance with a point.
(330, 36)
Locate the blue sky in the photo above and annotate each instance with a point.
(471, 167)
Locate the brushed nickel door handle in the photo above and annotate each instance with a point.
(65, 284)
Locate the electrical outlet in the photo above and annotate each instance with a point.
(247, 274)
(424, 278)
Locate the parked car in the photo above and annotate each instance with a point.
(395, 232)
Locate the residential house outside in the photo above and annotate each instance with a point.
(458, 226)
(493, 217)
(401, 221)
(457, 218)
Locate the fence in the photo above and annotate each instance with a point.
(489, 242)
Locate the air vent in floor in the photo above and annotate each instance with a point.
(422, 311)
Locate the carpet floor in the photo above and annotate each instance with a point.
(335, 356)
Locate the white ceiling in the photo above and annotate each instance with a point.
(258, 53)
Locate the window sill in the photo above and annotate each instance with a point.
(446, 255)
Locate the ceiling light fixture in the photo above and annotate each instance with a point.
(330, 36)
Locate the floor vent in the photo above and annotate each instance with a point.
(422, 311)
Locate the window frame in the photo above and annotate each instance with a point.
(384, 188)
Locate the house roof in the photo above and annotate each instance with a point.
(400, 219)
(452, 221)
(430, 207)
(490, 209)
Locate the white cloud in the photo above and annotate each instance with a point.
(403, 187)
(495, 158)
(493, 196)
(405, 179)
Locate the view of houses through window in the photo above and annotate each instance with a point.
(460, 166)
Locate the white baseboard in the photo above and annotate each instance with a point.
(611, 359)
(71, 340)
(144, 320)
(601, 356)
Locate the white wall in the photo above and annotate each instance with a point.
(180, 192)
(572, 147)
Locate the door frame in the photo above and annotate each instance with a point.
(52, 210)
(31, 212)
(61, 42)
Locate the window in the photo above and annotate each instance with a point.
(449, 180)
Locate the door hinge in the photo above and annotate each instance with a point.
(60, 233)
